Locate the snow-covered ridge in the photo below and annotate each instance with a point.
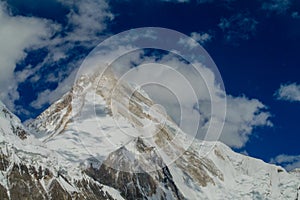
(29, 170)
(106, 137)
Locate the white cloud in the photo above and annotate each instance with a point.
(238, 27)
(201, 37)
(87, 19)
(195, 37)
(278, 6)
(289, 162)
(243, 115)
(244, 152)
(288, 92)
(17, 34)
(86, 22)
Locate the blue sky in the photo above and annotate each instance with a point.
(255, 45)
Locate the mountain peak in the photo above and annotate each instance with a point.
(106, 139)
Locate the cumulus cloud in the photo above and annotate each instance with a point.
(277, 6)
(243, 115)
(17, 34)
(288, 92)
(289, 162)
(238, 27)
(65, 43)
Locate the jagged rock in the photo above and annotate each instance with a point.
(3, 162)
(23, 186)
(3, 193)
(57, 192)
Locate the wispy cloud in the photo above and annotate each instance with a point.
(202, 38)
(289, 162)
(277, 6)
(288, 92)
(238, 27)
(195, 37)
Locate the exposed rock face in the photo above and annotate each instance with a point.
(136, 185)
(25, 182)
(3, 193)
(3, 162)
(57, 115)
(57, 192)
(14, 123)
(23, 186)
(24, 173)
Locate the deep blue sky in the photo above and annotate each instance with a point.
(252, 62)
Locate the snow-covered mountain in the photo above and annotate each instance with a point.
(108, 140)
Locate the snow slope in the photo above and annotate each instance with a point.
(113, 137)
